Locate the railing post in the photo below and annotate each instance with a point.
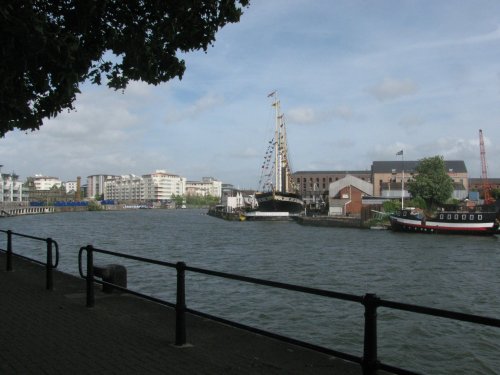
(370, 361)
(48, 267)
(180, 306)
(90, 276)
(9, 250)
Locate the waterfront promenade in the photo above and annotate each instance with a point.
(53, 332)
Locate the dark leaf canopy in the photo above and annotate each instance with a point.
(49, 47)
(432, 182)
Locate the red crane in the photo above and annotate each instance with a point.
(484, 174)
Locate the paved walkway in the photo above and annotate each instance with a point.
(52, 332)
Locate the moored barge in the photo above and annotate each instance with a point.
(446, 222)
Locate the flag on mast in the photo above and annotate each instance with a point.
(399, 153)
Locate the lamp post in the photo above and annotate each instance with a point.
(402, 178)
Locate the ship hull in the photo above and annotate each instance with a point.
(452, 222)
(279, 202)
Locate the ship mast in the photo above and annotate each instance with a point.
(282, 173)
(283, 155)
(277, 146)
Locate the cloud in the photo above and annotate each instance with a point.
(343, 112)
(411, 122)
(98, 137)
(490, 36)
(389, 151)
(246, 153)
(201, 105)
(393, 89)
(303, 115)
(308, 115)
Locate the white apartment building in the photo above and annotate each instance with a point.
(153, 187)
(70, 186)
(161, 185)
(11, 189)
(125, 188)
(46, 183)
(96, 184)
(208, 186)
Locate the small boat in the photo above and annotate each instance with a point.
(446, 222)
(278, 195)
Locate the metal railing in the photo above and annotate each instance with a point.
(369, 361)
(50, 263)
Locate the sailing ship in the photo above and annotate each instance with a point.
(278, 196)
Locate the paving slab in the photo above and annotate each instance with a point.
(53, 332)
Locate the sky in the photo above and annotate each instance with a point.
(358, 81)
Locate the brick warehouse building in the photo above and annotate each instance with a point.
(346, 195)
(385, 174)
(383, 180)
(315, 184)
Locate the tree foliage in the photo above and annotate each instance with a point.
(201, 201)
(49, 47)
(417, 202)
(391, 206)
(432, 183)
(195, 200)
(495, 193)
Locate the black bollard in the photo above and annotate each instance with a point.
(112, 273)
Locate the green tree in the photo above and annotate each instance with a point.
(200, 201)
(495, 193)
(50, 47)
(417, 202)
(178, 199)
(392, 206)
(94, 206)
(432, 183)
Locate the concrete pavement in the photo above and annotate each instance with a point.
(53, 332)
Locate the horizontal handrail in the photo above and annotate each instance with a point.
(441, 313)
(50, 262)
(369, 361)
(275, 284)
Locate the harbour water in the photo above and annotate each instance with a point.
(457, 273)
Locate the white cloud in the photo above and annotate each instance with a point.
(343, 112)
(391, 88)
(489, 36)
(411, 122)
(200, 106)
(309, 116)
(302, 115)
